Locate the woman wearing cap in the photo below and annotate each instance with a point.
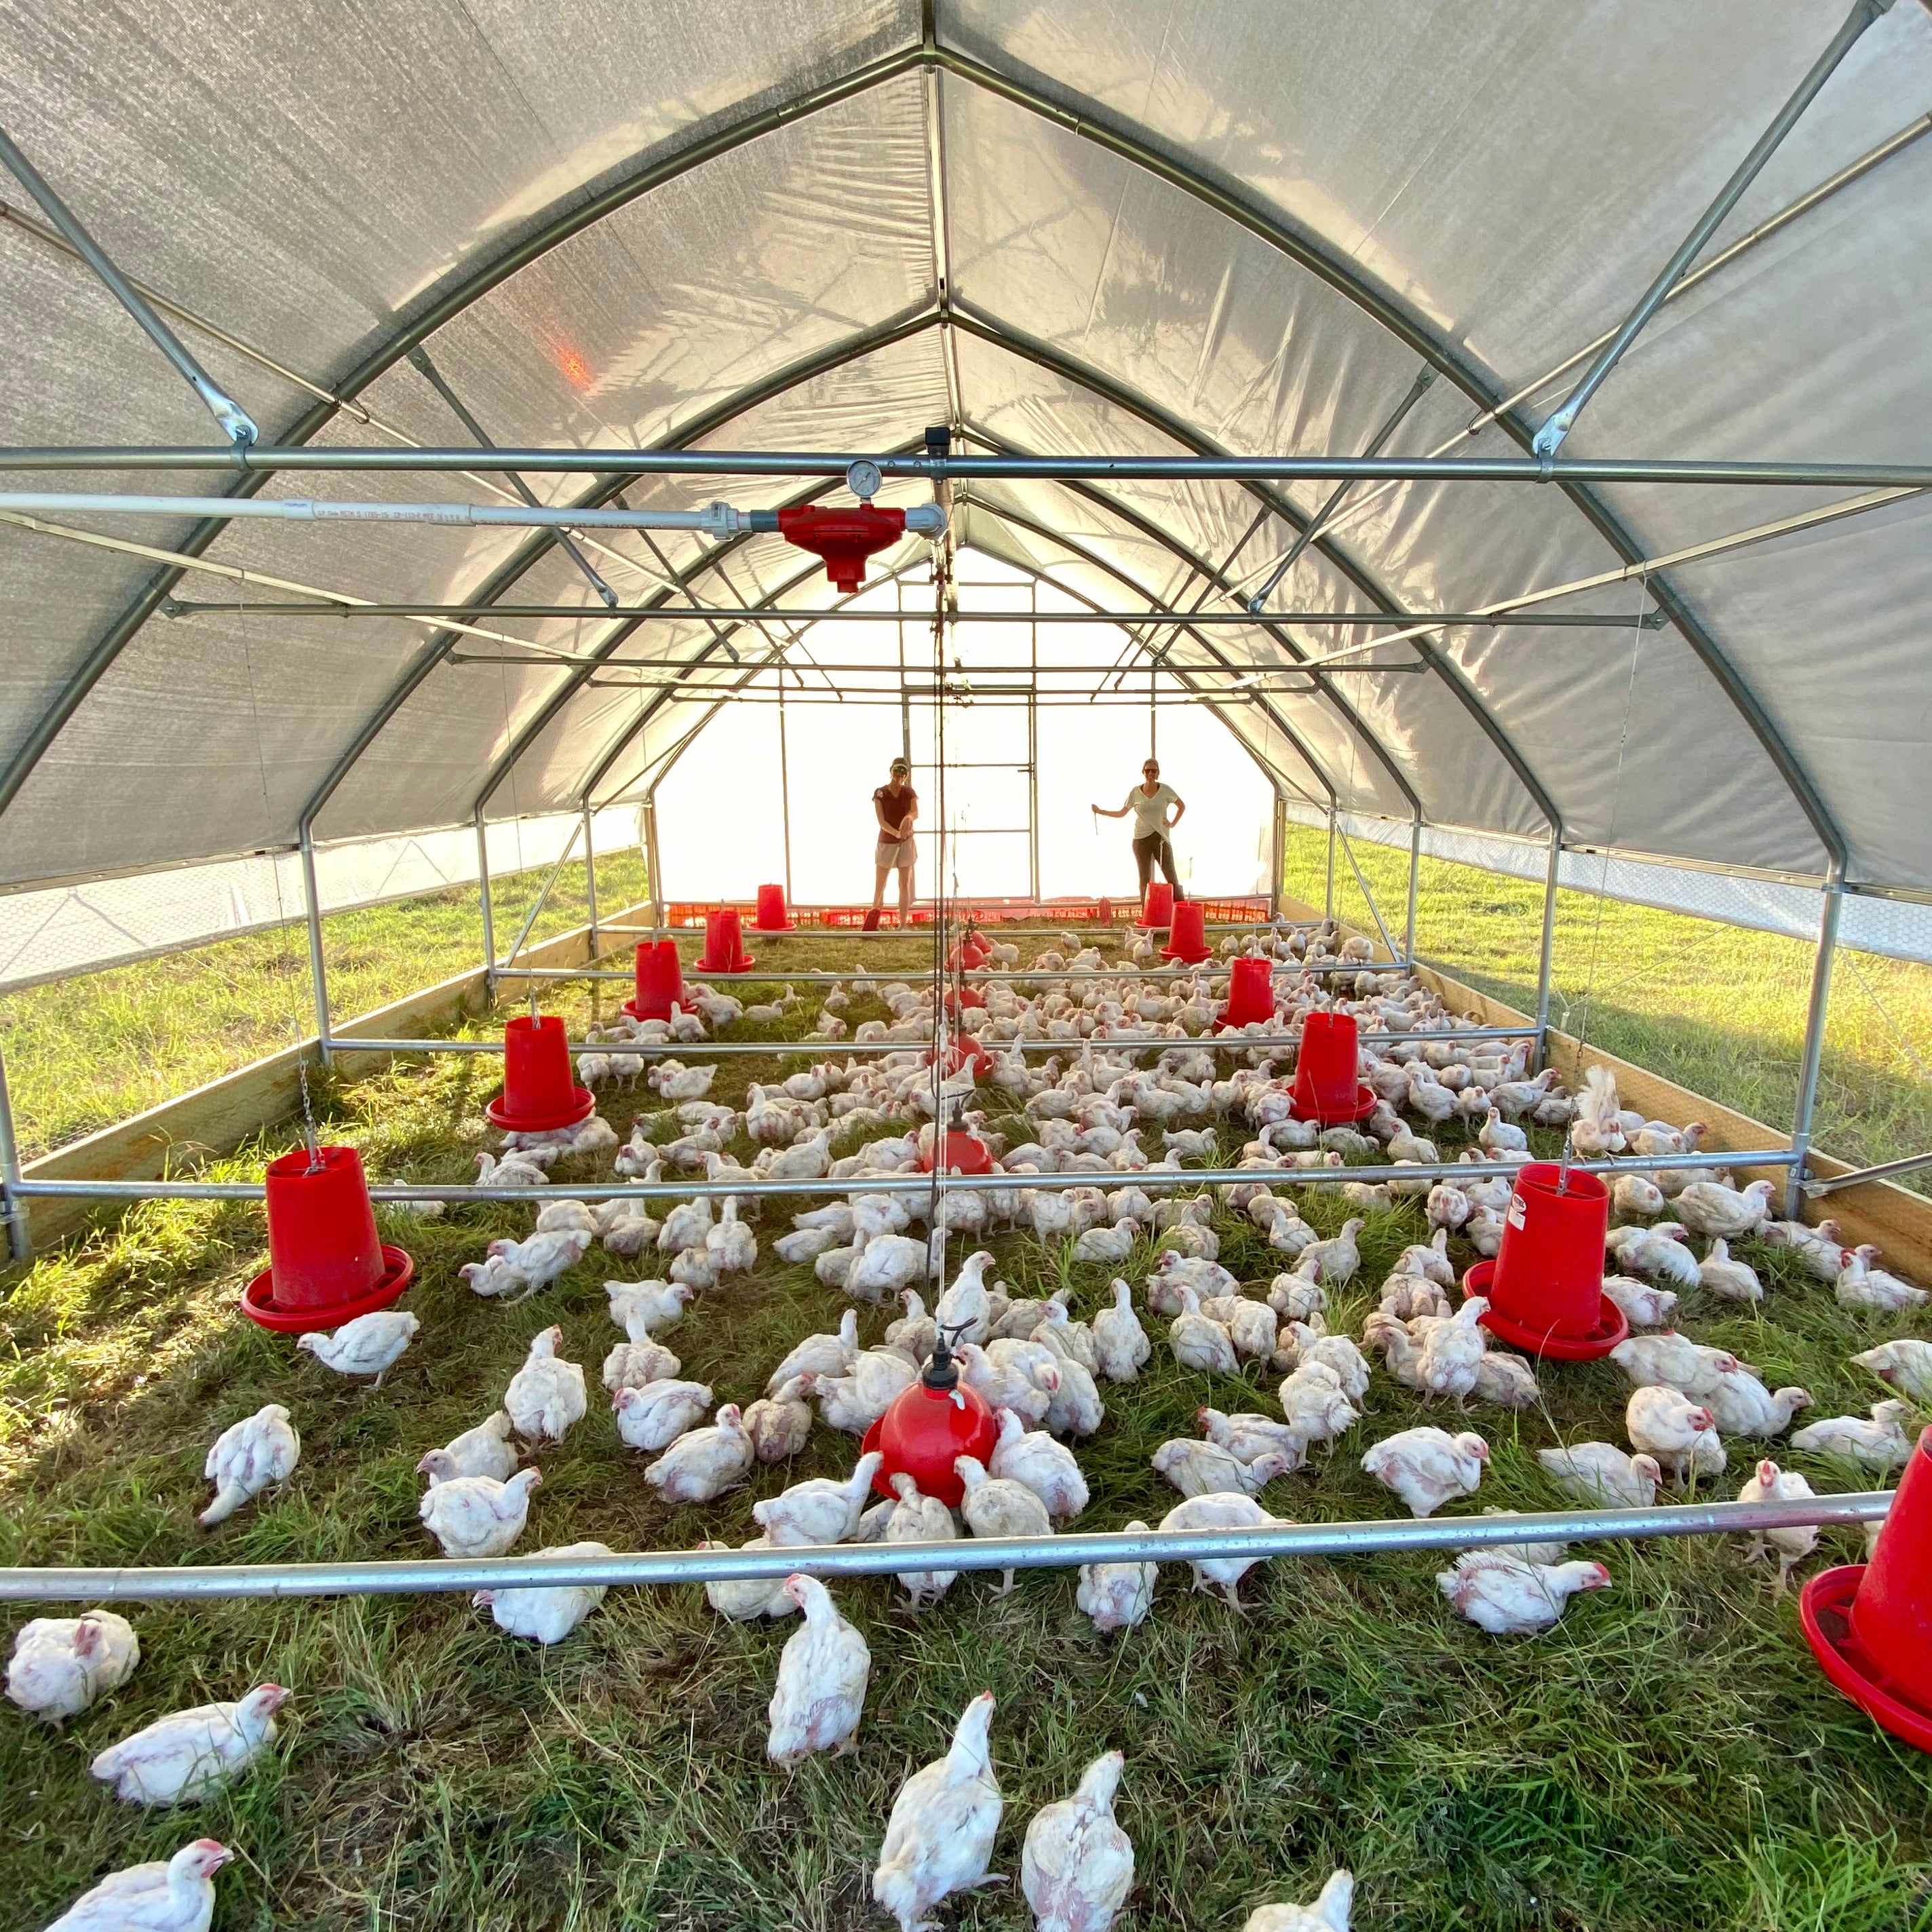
(1148, 802)
(896, 805)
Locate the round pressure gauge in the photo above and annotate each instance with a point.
(864, 479)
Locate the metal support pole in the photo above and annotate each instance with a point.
(1328, 889)
(785, 787)
(652, 865)
(590, 882)
(318, 967)
(1415, 871)
(1816, 1021)
(1546, 948)
(236, 421)
(20, 1242)
(1368, 896)
(1277, 853)
(1549, 437)
(543, 893)
(489, 924)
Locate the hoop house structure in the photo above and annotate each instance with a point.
(484, 438)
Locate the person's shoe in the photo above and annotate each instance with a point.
(872, 919)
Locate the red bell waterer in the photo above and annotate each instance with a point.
(538, 1092)
(1545, 1285)
(724, 943)
(1870, 1624)
(660, 981)
(1157, 909)
(772, 916)
(961, 1153)
(1187, 934)
(1250, 993)
(845, 539)
(928, 1426)
(1326, 1088)
(326, 1265)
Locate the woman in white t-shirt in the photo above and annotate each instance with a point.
(1148, 802)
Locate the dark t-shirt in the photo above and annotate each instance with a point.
(895, 801)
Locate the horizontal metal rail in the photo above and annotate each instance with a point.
(1830, 1184)
(1274, 1540)
(554, 460)
(777, 975)
(1168, 1179)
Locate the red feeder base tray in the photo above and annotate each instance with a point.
(711, 972)
(258, 1303)
(1612, 1326)
(1824, 1609)
(1365, 1105)
(583, 1104)
(630, 1007)
(790, 925)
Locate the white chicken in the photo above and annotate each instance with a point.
(1729, 1280)
(940, 1837)
(1452, 1352)
(915, 1518)
(1601, 1476)
(545, 1396)
(1880, 1444)
(999, 1507)
(1022, 1376)
(1248, 1438)
(962, 1310)
(855, 1401)
(1204, 1468)
(1335, 1262)
(1861, 1285)
(1112, 1245)
(699, 1467)
(1329, 1913)
(819, 1510)
(485, 1451)
(1788, 1547)
(1655, 1251)
(60, 1665)
(548, 1614)
(249, 1457)
(1223, 1511)
(732, 1247)
(1678, 1432)
(476, 1516)
(780, 1424)
(1199, 1342)
(1047, 1468)
(1741, 1405)
(641, 1308)
(1643, 1305)
(1121, 1345)
(745, 1601)
(1501, 1593)
(882, 1265)
(1708, 1207)
(1904, 1364)
(823, 1672)
(1077, 1865)
(654, 1417)
(1426, 1468)
(176, 1895)
(518, 1269)
(676, 1082)
(1116, 1596)
(188, 1754)
(371, 1345)
(820, 1354)
(686, 1226)
(636, 1364)
(1672, 1361)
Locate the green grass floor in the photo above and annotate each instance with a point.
(1668, 1756)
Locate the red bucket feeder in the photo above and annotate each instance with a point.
(1870, 1624)
(928, 1426)
(325, 1265)
(1250, 993)
(1326, 1088)
(1188, 939)
(538, 1092)
(1545, 1285)
(960, 1152)
(772, 916)
(1157, 912)
(660, 982)
(725, 944)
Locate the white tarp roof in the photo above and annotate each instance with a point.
(1087, 226)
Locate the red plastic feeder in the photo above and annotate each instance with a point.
(538, 1092)
(1157, 911)
(963, 1153)
(1545, 1285)
(1250, 993)
(772, 916)
(325, 1265)
(725, 944)
(1326, 1088)
(928, 1426)
(845, 539)
(1187, 940)
(1870, 1624)
(660, 982)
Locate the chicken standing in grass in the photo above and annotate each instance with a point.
(823, 1672)
(371, 1345)
(820, 1511)
(190, 1753)
(1501, 1593)
(1678, 1431)
(1880, 1445)
(1452, 1352)
(731, 1245)
(1789, 1547)
(1047, 1468)
(174, 1895)
(1200, 1342)
(1427, 1467)
(60, 1665)
(546, 1395)
(487, 1450)
(820, 1354)
(998, 1507)
(547, 1614)
(1329, 1913)
(699, 1467)
(1077, 1865)
(939, 1839)
(473, 1516)
(915, 1518)
(1221, 1511)
(1729, 1280)
(1116, 1596)
(1121, 1345)
(1601, 1476)
(254, 1454)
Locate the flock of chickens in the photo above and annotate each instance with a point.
(1132, 1068)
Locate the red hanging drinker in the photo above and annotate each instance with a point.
(929, 1427)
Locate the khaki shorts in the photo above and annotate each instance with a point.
(894, 855)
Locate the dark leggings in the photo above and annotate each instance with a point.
(1146, 851)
